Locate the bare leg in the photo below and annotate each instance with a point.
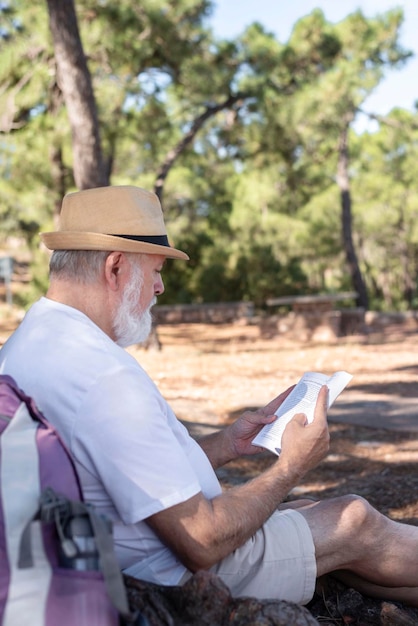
(296, 504)
(407, 595)
(349, 534)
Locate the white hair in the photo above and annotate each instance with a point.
(83, 266)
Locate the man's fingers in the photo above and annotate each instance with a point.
(272, 406)
(300, 418)
(321, 406)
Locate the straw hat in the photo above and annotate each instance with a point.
(124, 218)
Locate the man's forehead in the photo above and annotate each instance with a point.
(155, 260)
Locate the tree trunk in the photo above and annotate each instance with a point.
(58, 171)
(408, 276)
(346, 219)
(75, 82)
(197, 124)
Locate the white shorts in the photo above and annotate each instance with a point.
(278, 562)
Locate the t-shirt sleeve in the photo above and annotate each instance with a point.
(123, 434)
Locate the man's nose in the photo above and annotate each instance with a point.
(159, 287)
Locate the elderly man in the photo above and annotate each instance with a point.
(136, 461)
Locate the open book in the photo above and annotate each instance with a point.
(302, 399)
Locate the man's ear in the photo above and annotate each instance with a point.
(115, 266)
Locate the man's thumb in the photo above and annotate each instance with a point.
(300, 418)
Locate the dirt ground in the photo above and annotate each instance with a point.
(210, 373)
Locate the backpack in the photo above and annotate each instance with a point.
(57, 561)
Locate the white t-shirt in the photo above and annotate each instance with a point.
(133, 456)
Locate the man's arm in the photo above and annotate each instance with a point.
(235, 440)
(202, 532)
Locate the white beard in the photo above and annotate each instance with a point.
(129, 326)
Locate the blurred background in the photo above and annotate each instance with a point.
(280, 137)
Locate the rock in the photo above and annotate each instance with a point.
(205, 600)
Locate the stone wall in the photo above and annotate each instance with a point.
(206, 313)
(310, 325)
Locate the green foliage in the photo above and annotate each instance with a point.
(252, 197)
(39, 282)
(262, 276)
(387, 214)
(219, 272)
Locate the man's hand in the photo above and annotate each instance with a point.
(248, 425)
(202, 532)
(305, 445)
(235, 440)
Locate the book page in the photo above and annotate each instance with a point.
(301, 400)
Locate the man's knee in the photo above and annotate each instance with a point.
(351, 514)
(359, 518)
(349, 520)
(356, 508)
(344, 530)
